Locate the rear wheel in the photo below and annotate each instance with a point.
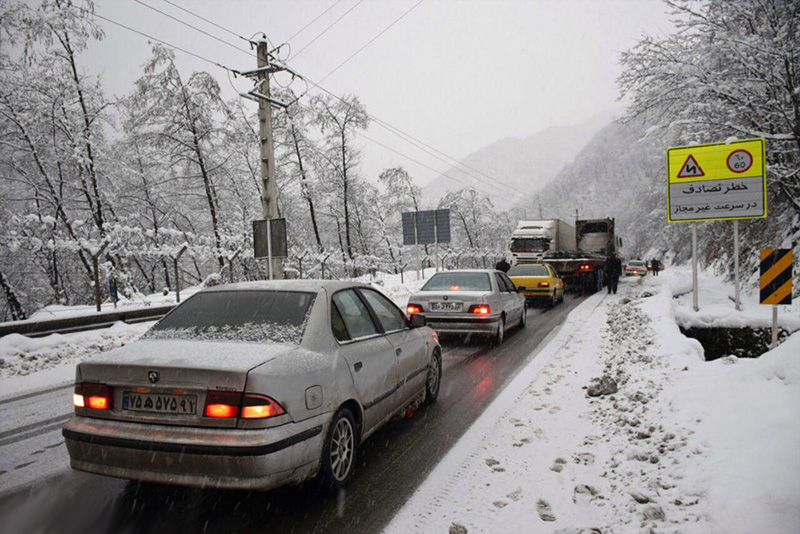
(524, 319)
(340, 450)
(434, 377)
(500, 335)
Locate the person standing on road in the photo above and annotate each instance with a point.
(502, 265)
(656, 266)
(614, 272)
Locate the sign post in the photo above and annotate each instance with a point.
(716, 182)
(776, 282)
(269, 240)
(429, 227)
(736, 264)
(695, 296)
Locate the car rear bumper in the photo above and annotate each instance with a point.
(202, 457)
(539, 294)
(462, 323)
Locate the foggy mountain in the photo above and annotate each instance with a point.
(525, 164)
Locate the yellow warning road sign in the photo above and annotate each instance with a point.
(717, 181)
(776, 275)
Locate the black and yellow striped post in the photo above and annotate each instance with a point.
(776, 282)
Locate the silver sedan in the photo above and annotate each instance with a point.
(253, 385)
(477, 301)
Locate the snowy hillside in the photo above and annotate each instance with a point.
(524, 164)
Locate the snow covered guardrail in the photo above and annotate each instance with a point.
(83, 322)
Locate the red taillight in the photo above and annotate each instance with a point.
(224, 405)
(221, 404)
(455, 288)
(413, 308)
(95, 396)
(544, 284)
(585, 267)
(480, 309)
(260, 407)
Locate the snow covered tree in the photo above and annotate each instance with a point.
(730, 69)
(339, 120)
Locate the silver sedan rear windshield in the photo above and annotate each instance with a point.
(244, 316)
(458, 282)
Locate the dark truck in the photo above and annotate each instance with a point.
(584, 270)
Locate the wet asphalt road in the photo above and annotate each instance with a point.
(392, 463)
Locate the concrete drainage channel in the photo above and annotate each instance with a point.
(719, 342)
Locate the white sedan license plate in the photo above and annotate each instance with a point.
(446, 306)
(154, 402)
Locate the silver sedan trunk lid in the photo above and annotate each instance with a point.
(149, 374)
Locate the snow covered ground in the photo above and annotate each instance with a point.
(682, 445)
(716, 303)
(57, 311)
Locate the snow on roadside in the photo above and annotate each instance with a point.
(21, 355)
(679, 447)
(716, 298)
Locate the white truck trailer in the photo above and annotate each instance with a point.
(532, 239)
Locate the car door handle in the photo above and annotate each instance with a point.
(357, 366)
(398, 351)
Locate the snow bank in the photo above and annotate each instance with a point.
(749, 417)
(21, 355)
(716, 303)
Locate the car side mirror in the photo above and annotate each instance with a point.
(418, 320)
(520, 289)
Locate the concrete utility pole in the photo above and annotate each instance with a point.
(269, 188)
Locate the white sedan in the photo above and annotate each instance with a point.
(476, 301)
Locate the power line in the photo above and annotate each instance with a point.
(176, 19)
(298, 32)
(94, 14)
(408, 138)
(413, 141)
(392, 129)
(331, 25)
(486, 192)
(206, 20)
(354, 54)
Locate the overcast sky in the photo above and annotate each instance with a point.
(458, 75)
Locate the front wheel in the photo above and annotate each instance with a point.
(340, 450)
(434, 379)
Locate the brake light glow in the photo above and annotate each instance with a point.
(544, 284)
(413, 308)
(455, 288)
(98, 403)
(95, 396)
(225, 405)
(221, 410)
(480, 309)
(585, 267)
(222, 404)
(260, 407)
